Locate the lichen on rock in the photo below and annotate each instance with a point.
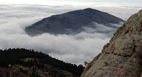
(122, 56)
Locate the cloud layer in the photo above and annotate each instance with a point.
(70, 48)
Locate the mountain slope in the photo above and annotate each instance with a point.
(28, 63)
(122, 57)
(70, 22)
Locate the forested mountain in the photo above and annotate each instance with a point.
(71, 22)
(28, 63)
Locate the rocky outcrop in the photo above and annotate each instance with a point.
(121, 57)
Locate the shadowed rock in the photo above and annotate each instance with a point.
(123, 55)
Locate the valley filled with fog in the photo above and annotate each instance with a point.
(77, 48)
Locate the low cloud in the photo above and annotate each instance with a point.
(107, 29)
(76, 48)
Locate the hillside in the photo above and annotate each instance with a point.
(28, 63)
(71, 22)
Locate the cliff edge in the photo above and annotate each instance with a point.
(122, 57)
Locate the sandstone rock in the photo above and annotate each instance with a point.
(121, 57)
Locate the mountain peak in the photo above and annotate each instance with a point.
(122, 57)
(71, 22)
(88, 9)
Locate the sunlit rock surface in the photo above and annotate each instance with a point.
(122, 56)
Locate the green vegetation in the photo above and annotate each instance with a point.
(14, 56)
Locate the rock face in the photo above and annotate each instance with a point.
(71, 22)
(121, 57)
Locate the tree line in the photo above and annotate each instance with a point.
(14, 56)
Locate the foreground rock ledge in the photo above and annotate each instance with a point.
(121, 57)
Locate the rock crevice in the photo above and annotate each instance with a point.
(123, 55)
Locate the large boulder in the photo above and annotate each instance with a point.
(121, 57)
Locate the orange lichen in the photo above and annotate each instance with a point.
(118, 74)
(106, 52)
(120, 66)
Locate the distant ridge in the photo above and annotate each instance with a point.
(71, 22)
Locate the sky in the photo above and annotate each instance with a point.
(15, 16)
(43, 1)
